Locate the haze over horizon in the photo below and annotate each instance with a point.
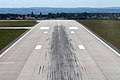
(59, 4)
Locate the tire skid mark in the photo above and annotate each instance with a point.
(39, 70)
(63, 61)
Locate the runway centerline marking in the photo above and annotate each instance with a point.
(81, 46)
(38, 47)
(58, 23)
(73, 27)
(45, 32)
(72, 32)
(42, 28)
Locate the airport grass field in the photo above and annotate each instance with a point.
(107, 29)
(18, 23)
(7, 36)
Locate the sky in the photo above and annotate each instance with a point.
(59, 3)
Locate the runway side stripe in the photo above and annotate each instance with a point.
(38, 47)
(100, 40)
(17, 41)
(81, 46)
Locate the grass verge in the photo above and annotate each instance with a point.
(18, 23)
(7, 36)
(107, 29)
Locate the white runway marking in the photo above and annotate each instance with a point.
(44, 28)
(58, 24)
(7, 62)
(45, 32)
(38, 47)
(73, 27)
(72, 32)
(81, 46)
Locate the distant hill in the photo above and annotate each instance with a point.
(46, 10)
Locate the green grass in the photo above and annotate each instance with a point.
(18, 23)
(107, 29)
(7, 36)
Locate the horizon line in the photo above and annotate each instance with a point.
(65, 7)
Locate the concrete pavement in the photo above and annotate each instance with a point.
(59, 50)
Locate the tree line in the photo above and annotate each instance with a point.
(80, 16)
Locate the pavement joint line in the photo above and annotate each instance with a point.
(42, 28)
(38, 47)
(45, 32)
(73, 27)
(72, 32)
(18, 41)
(81, 46)
(100, 40)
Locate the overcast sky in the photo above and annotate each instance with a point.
(59, 3)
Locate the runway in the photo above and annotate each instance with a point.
(59, 50)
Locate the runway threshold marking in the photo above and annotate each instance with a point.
(42, 28)
(81, 46)
(73, 27)
(72, 32)
(38, 47)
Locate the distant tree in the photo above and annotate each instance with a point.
(32, 14)
(40, 15)
(49, 15)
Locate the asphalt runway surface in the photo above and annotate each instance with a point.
(59, 50)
